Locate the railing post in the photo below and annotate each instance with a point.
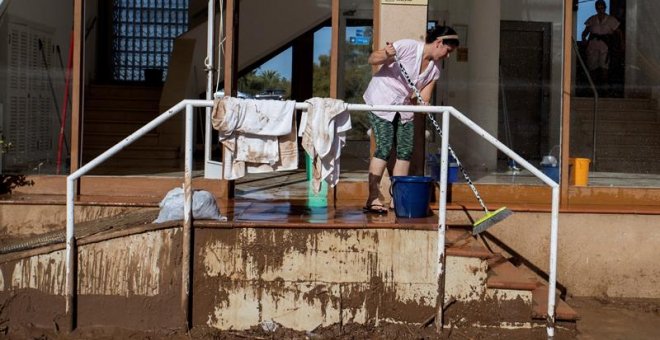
(186, 263)
(552, 279)
(442, 223)
(209, 79)
(70, 284)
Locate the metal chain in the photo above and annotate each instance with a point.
(420, 101)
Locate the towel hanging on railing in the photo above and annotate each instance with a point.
(323, 129)
(258, 135)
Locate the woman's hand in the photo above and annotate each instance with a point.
(389, 50)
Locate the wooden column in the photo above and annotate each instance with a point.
(566, 101)
(334, 72)
(334, 49)
(302, 72)
(231, 68)
(78, 82)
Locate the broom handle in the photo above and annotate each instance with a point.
(420, 101)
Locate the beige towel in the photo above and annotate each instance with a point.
(258, 135)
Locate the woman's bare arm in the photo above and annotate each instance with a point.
(382, 56)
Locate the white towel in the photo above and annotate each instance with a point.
(323, 129)
(250, 130)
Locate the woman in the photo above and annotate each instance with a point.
(601, 30)
(421, 60)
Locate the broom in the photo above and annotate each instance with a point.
(490, 218)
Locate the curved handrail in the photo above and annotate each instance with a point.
(593, 88)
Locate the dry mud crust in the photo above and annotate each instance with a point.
(345, 332)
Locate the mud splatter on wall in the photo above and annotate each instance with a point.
(133, 265)
(43, 272)
(129, 266)
(2, 281)
(303, 278)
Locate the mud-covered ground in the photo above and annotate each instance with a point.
(346, 332)
(600, 318)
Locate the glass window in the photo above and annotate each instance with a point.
(356, 41)
(142, 38)
(506, 77)
(33, 106)
(614, 111)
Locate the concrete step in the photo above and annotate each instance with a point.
(136, 165)
(614, 103)
(97, 91)
(127, 127)
(137, 153)
(112, 125)
(146, 104)
(628, 138)
(540, 306)
(125, 114)
(469, 247)
(605, 114)
(108, 139)
(628, 152)
(506, 276)
(620, 126)
(639, 165)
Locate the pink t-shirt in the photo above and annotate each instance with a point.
(389, 87)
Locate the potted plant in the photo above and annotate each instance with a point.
(9, 182)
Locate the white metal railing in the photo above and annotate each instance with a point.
(189, 104)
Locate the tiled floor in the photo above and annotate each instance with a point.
(287, 197)
(293, 185)
(300, 214)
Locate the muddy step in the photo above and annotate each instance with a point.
(457, 236)
(540, 306)
(463, 246)
(505, 275)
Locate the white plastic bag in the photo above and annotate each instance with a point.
(204, 206)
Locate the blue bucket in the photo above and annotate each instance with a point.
(452, 173)
(551, 171)
(412, 195)
(452, 169)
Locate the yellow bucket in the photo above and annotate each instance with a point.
(579, 171)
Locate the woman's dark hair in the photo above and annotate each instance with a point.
(600, 3)
(439, 31)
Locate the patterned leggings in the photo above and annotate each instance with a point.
(384, 132)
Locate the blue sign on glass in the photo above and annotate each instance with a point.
(359, 40)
